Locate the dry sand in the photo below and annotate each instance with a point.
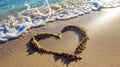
(103, 48)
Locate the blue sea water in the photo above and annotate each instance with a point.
(11, 7)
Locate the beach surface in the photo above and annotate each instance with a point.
(102, 50)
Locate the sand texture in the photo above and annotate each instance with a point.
(102, 50)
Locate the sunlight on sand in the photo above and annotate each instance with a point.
(105, 19)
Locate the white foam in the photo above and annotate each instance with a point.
(25, 21)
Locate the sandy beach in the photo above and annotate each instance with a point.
(102, 50)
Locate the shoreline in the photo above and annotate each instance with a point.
(59, 3)
(102, 49)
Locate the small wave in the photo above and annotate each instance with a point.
(9, 7)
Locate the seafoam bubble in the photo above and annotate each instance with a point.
(13, 6)
(27, 5)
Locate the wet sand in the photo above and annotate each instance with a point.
(102, 49)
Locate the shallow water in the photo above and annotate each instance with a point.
(12, 7)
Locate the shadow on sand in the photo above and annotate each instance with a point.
(65, 59)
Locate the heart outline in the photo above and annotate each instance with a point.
(80, 47)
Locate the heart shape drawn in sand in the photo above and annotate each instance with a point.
(80, 47)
